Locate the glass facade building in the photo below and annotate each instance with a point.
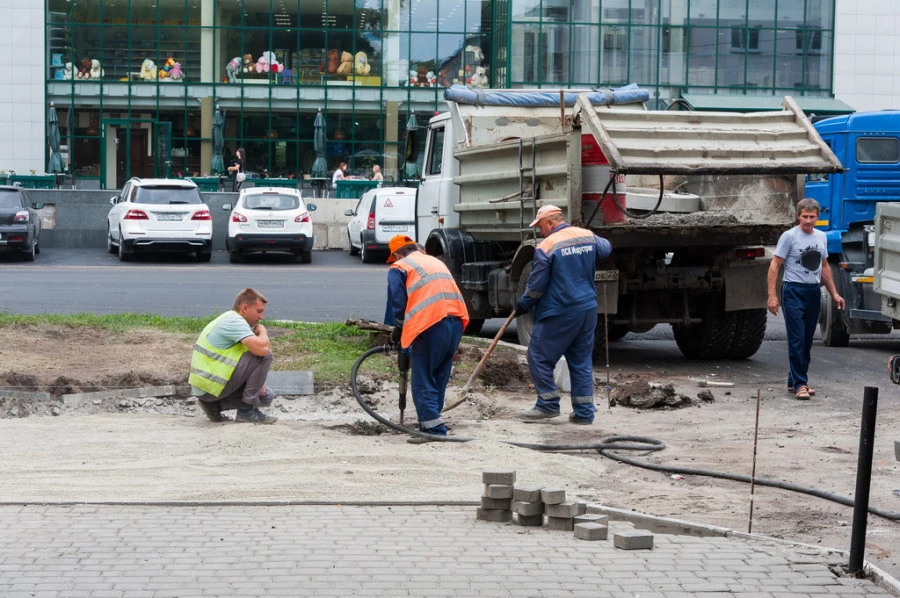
(136, 83)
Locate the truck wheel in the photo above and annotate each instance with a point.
(475, 326)
(711, 338)
(353, 250)
(749, 331)
(832, 324)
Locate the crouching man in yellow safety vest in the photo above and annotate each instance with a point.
(231, 360)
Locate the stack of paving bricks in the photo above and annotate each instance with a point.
(530, 502)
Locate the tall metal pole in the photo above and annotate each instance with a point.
(753, 470)
(863, 481)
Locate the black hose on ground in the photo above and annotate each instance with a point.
(849, 502)
(355, 388)
(612, 443)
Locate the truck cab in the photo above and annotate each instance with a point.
(868, 146)
(438, 172)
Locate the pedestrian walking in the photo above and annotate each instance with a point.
(562, 293)
(803, 251)
(238, 169)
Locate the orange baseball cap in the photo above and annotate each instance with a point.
(545, 211)
(397, 242)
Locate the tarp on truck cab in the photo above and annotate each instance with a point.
(629, 94)
(678, 142)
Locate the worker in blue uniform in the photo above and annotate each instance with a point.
(561, 292)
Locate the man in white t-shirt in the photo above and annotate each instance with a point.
(231, 360)
(803, 251)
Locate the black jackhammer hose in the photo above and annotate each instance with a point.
(353, 385)
(893, 516)
(613, 443)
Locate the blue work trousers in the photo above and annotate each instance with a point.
(570, 335)
(431, 361)
(800, 304)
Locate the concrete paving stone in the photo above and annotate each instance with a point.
(564, 509)
(498, 490)
(504, 504)
(593, 518)
(527, 492)
(553, 496)
(528, 507)
(498, 476)
(494, 515)
(561, 524)
(530, 520)
(633, 540)
(590, 531)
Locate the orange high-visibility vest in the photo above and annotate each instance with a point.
(432, 295)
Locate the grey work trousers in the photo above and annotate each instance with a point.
(243, 388)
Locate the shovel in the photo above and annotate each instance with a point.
(464, 393)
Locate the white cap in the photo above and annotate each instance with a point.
(544, 212)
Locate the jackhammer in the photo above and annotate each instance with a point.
(403, 359)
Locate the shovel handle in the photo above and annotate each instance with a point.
(463, 394)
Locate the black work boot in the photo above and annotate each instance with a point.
(212, 411)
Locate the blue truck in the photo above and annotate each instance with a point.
(868, 146)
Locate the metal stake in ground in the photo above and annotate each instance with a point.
(464, 393)
(753, 469)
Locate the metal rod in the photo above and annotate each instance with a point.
(753, 469)
(863, 481)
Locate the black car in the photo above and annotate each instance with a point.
(20, 224)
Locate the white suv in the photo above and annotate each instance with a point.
(270, 219)
(159, 215)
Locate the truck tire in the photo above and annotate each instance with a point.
(711, 338)
(749, 331)
(601, 336)
(475, 326)
(832, 323)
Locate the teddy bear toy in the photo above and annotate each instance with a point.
(268, 63)
(248, 67)
(479, 77)
(233, 69)
(148, 70)
(67, 71)
(333, 61)
(175, 73)
(84, 71)
(361, 63)
(346, 66)
(431, 78)
(96, 70)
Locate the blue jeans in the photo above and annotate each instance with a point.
(431, 362)
(572, 335)
(800, 304)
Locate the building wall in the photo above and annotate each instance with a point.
(867, 54)
(22, 107)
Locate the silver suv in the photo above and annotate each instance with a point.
(159, 215)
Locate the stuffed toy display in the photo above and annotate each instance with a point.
(333, 61)
(248, 67)
(268, 63)
(67, 71)
(346, 66)
(96, 70)
(478, 78)
(148, 70)
(84, 71)
(175, 73)
(233, 69)
(163, 71)
(361, 62)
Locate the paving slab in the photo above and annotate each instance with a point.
(95, 550)
(291, 383)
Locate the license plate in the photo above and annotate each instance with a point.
(169, 217)
(270, 223)
(394, 228)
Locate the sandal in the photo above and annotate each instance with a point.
(802, 393)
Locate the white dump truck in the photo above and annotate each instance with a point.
(886, 272)
(689, 200)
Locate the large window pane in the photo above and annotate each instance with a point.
(614, 55)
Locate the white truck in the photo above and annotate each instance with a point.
(693, 258)
(886, 279)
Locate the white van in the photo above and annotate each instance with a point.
(379, 215)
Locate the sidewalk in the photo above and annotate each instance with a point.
(95, 551)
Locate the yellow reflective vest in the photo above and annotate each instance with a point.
(211, 368)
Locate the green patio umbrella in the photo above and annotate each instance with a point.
(320, 166)
(217, 163)
(56, 164)
(411, 169)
